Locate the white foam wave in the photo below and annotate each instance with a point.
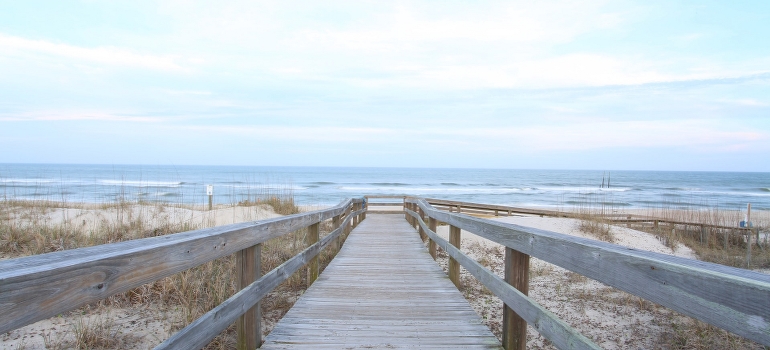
(585, 189)
(27, 181)
(423, 190)
(257, 188)
(141, 183)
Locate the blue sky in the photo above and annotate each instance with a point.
(638, 85)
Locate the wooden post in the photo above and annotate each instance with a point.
(412, 207)
(412, 220)
(409, 216)
(454, 266)
(517, 275)
(312, 267)
(249, 325)
(432, 243)
(349, 226)
(748, 237)
(355, 218)
(407, 206)
(335, 225)
(423, 236)
(628, 221)
(656, 224)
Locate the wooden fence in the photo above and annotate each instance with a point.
(498, 210)
(42, 286)
(733, 299)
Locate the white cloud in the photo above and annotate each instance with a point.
(623, 134)
(55, 115)
(691, 134)
(113, 56)
(745, 102)
(303, 134)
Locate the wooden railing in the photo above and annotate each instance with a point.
(37, 287)
(500, 210)
(733, 299)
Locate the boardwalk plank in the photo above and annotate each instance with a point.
(383, 290)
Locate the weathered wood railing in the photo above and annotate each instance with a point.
(499, 210)
(732, 299)
(37, 287)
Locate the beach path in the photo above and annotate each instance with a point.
(383, 290)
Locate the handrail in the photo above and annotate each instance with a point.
(544, 321)
(37, 287)
(729, 298)
(200, 332)
(623, 218)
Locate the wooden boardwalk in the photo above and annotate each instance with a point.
(383, 290)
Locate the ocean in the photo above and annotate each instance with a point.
(329, 185)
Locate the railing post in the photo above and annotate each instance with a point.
(517, 275)
(249, 325)
(348, 226)
(408, 216)
(335, 225)
(432, 243)
(423, 236)
(355, 218)
(312, 267)
(454, 266)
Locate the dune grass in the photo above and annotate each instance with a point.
(717, 245)
(27, 228)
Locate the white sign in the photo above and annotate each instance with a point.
(209, 190)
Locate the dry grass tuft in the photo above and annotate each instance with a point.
(98, 333)
(688, 334)
(281, 199)
(597, 227)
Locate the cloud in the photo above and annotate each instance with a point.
(43, 116)
(113, 56)
(691, 134)
(750, 102)
(302, 134)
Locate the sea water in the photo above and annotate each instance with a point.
(329, 185)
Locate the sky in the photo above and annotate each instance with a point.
(608, 85)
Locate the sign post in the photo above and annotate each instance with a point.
(748, 237)
(210, 193)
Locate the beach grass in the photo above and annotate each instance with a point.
(43, 226)
(724, 246)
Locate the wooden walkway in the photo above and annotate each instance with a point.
(383, 290)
